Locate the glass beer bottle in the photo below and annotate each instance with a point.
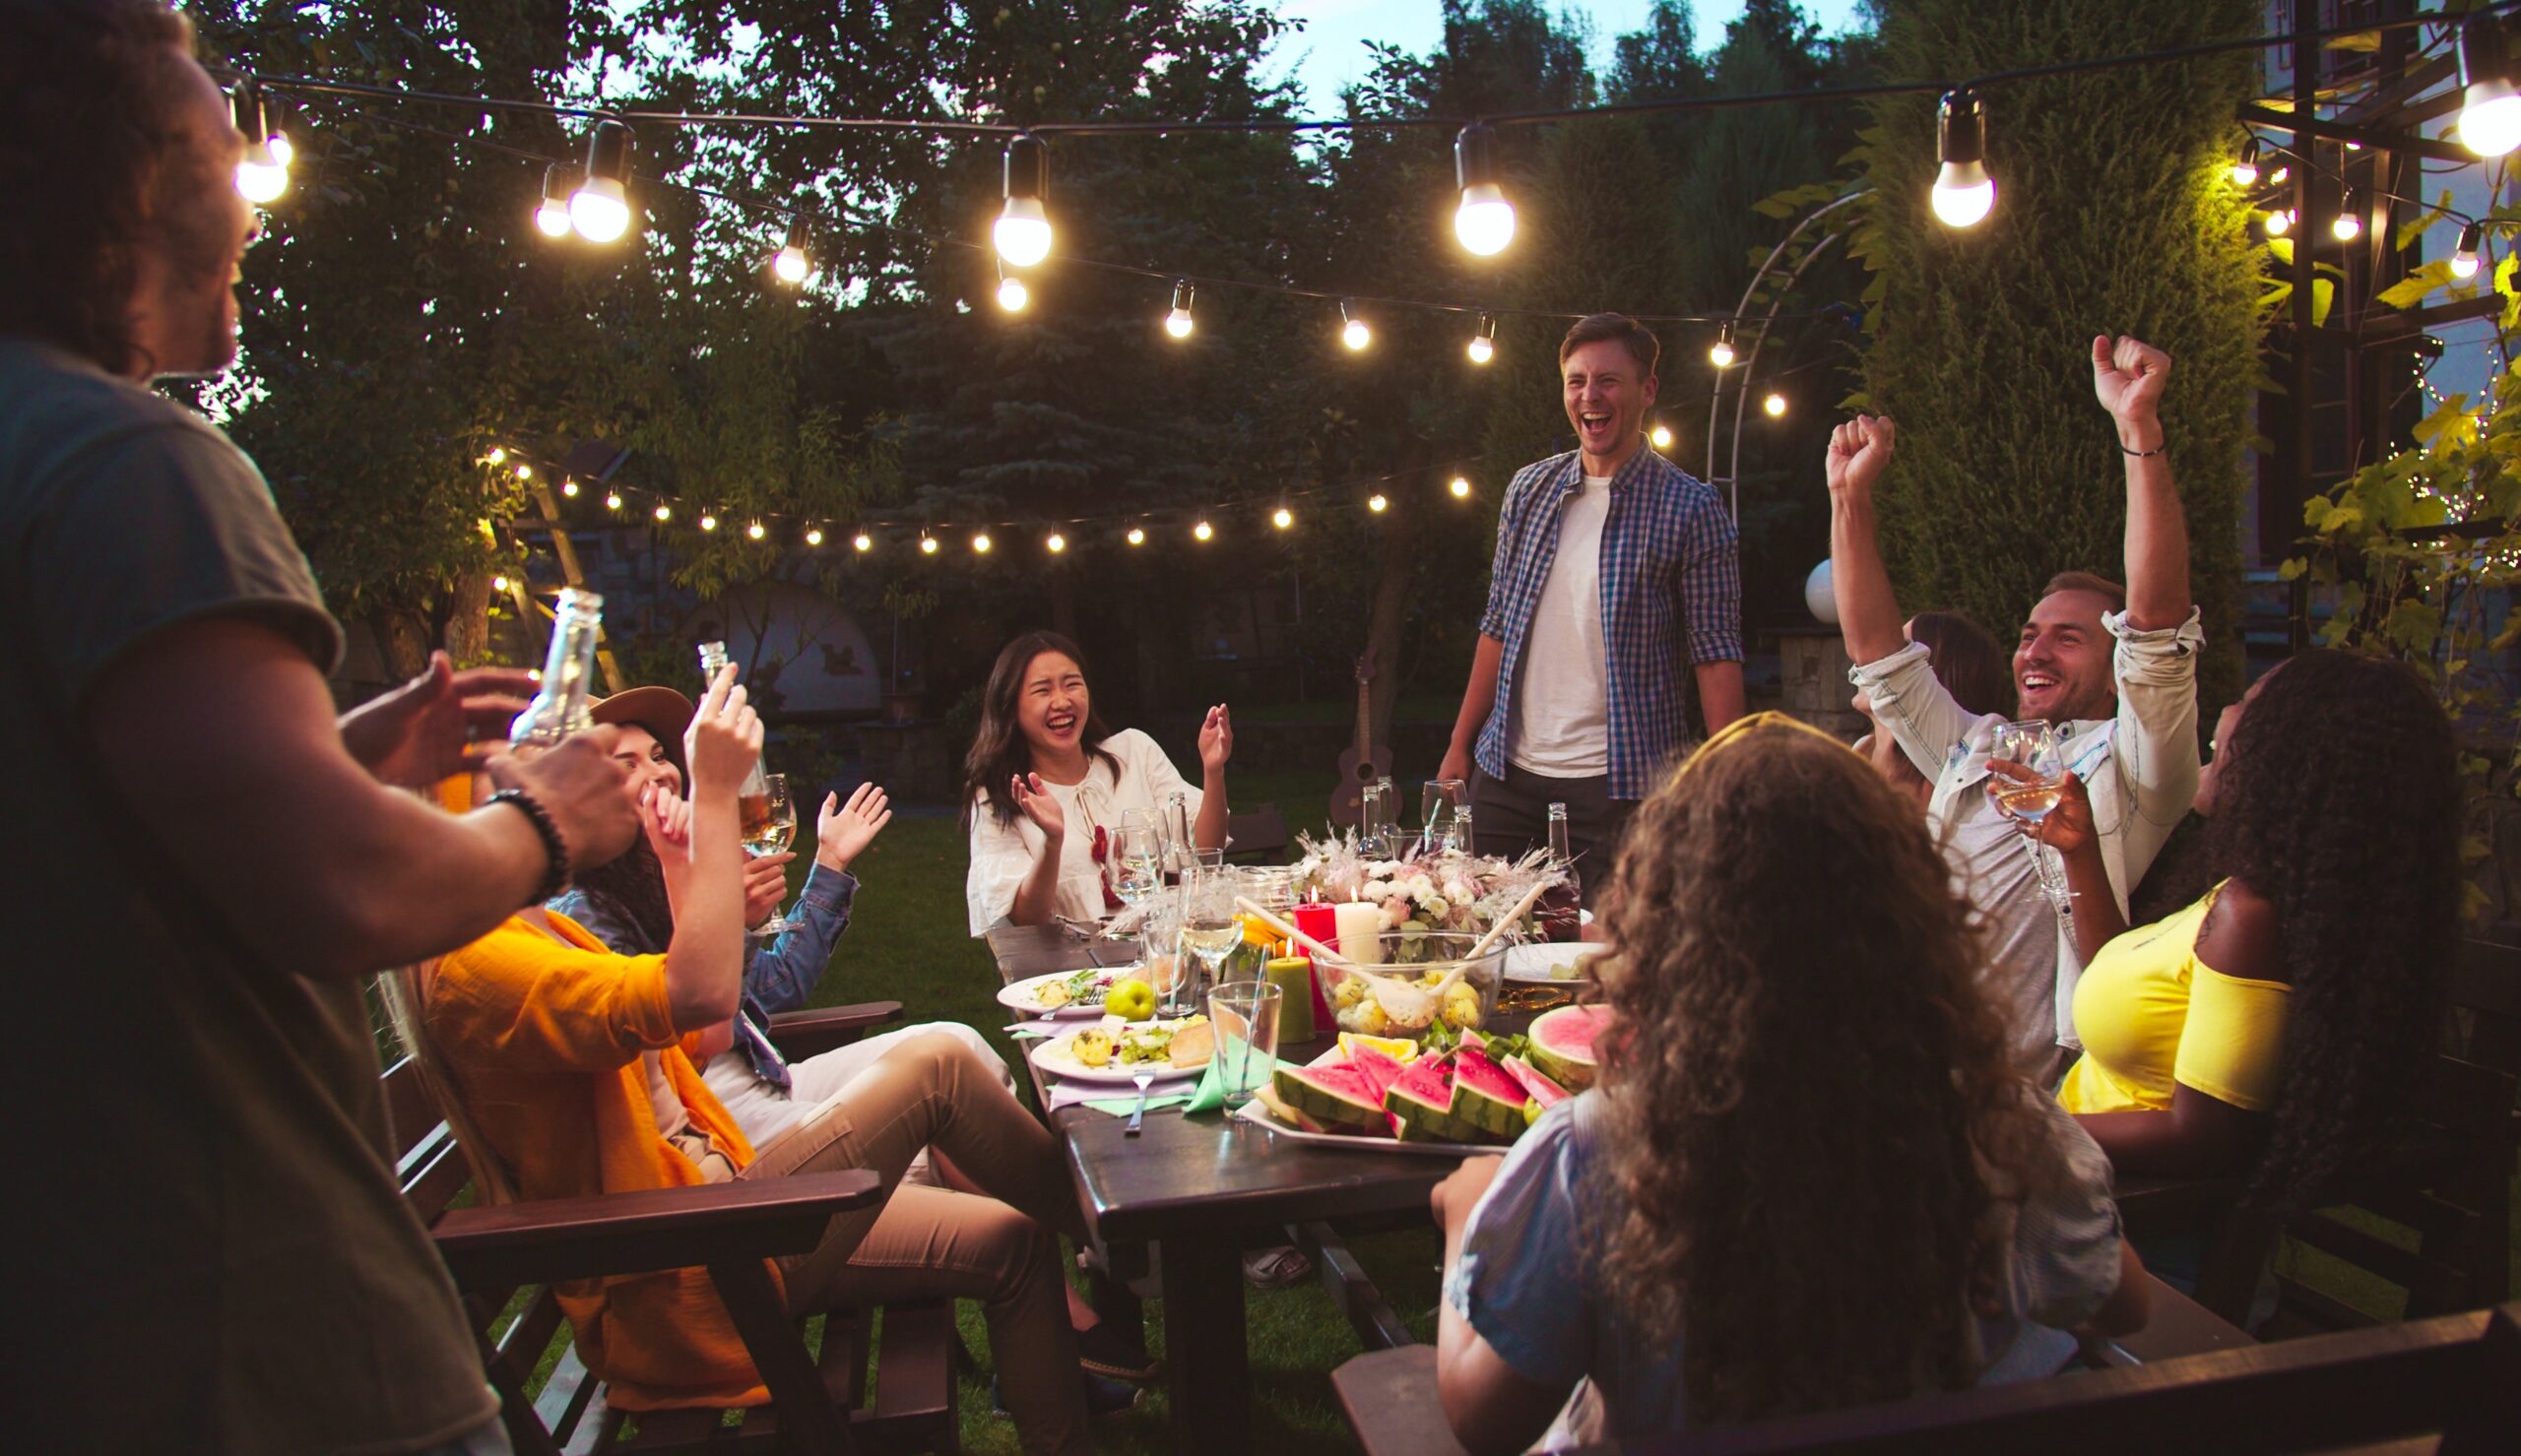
(753, 799)
(560, 708)
(1561, 907)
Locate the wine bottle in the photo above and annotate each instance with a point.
(560, 708)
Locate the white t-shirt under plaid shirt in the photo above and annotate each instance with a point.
(1671, 593)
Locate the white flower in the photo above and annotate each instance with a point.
(1433, 905)
(1421, 886)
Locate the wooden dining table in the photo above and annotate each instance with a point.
(1203, 1187)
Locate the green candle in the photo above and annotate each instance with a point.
(1293, 977)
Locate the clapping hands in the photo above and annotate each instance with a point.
(842, 831)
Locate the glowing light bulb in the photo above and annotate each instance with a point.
(863, 542)
(499, 454)
(1963, 193)
(1721, 352)
(2491, 110)
(813, 535)
(612, 500)
(1660, 437)
(1204, 531)
(1485, 222)
(1774, 405)
(1178, 322)
(2279, 223)
(499, 583)
(664, 512)
(926, 545)
(980, 543)
(2345, 227)
(569, 488)
(1483, 341)
(2246, 167)
(1023, 232)
(755, 531)
(1460, 487)
(262, 172)
(1057, 543)
(1137, 536)
(708, 522)
(1012, 295)
(525, 473)
(1282, 518)
(600, 210)
(551, 215)
(2464, 259)
(282, 150)
(1356, 335)
(1378, 503)
(790, 264)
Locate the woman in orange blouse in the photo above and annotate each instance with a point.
(577, 1069)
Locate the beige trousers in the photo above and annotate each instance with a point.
(924, 1242)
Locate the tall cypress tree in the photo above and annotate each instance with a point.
(2114, 215)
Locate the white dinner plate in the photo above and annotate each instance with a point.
(1055, 1057)
(1549, 963)
(1019, 995)
(1256, 1111)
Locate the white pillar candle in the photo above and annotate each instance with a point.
(1361, 932)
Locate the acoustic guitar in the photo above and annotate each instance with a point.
(1363, 762)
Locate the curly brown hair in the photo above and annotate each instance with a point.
(2338, 802)
(90, 119)
(1818, 1142)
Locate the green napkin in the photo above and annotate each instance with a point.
(1122, 1106)
(1258, 1070)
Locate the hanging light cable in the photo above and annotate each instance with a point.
(1178, 322)
(1352, 329)
(601, 206)
(1963, 191)
(2490, 108)
(791, 265)
(551, 215)
(1485, 220)
(1484, 342)
(262, 174)
(2464, 259)
(1023, 232)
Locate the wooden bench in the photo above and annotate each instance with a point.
(498, 1253)
(2452, 1384)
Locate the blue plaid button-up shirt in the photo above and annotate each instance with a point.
(1671, 594)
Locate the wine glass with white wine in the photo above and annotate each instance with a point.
(2032, 743)
(769, 827)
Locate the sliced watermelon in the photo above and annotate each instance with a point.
(1333, 1092)
(1379, 1068)
(1486, 1095)
(1563, 1045)
(1542, 1087)
(1421, 1102)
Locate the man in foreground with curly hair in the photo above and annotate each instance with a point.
(2114, 669)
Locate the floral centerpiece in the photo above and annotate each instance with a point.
(1423, 890)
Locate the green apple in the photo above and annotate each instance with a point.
(1131, 1001)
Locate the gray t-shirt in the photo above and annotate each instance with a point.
(213, 1250)
(1527, 1279)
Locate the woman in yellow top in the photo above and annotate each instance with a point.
(576, 1068)
(2281, 1023)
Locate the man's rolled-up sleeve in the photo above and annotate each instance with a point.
(1914, 705)
(1712, 585)
(2157, 735)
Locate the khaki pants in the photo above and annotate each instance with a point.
(925, 1243)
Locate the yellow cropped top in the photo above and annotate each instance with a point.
(2151, 1014)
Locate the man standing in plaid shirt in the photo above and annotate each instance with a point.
(1614, 568)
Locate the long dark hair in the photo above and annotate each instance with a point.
(999, 752)
(2339, 804)
(632, 884)
(1812, 1106)
(1967, 660)
(92, 148)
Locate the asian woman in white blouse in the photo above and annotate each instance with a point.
(1046, 784)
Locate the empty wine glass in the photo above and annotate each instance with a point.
(1137, 859)
(2032, 743)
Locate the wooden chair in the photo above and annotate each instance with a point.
(1257, 835)
(500, 1252)
(2451, 1385)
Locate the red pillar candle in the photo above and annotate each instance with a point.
(1321, 923)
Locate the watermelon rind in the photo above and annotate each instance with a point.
(1334, 1094)
(1485, 1095)
(1543, 1088)
(1558, 1052)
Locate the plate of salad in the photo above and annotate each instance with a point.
(1117, 1052)
(1062, 993)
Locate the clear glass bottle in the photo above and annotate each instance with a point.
(1560, 912)
(562, 707)
(755, 797)
(1458, 838)
(1179, 847)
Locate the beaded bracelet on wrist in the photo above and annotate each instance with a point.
(556, 873)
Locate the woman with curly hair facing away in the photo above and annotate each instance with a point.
(1809, 1178)
(2282, 1023)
